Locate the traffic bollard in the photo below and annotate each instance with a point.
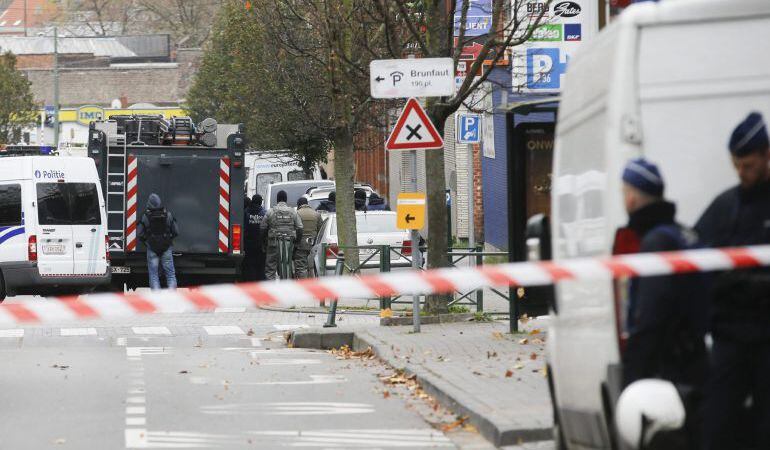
(332, 317)
(384, 268)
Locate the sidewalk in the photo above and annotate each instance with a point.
(475, 369)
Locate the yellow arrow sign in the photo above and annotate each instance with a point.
(410, 209)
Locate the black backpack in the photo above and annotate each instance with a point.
(158, 232)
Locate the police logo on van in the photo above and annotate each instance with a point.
(566, 9)
(49, 174)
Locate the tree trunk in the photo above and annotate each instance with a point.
(437, 215)
(344, 172)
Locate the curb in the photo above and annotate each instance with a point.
(494, 430)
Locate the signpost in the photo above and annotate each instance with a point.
(413, 77)
(410, 213)
(410, 78)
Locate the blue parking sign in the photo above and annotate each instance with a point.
(469, 129)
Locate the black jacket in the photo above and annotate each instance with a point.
(252, 235)
(741, 298)
(667, 315)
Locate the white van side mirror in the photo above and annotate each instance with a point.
(647, 407)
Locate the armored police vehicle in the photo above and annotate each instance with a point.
(198, 172)
(53, 227)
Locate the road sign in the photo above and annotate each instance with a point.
(413, 77)
(468, 128)
(410, 210)
(414, 130)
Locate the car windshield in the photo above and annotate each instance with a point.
(372, 223)
(293, 192)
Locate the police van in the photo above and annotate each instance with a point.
(52, 226)
(667, 81)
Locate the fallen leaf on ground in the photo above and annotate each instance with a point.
(345, 352)
(491, 354)
(537, 341)
(508, 373)
(60, 441)
(544, 371)
(533, 356)
(497, 335)
(523, 341)
(385, 394)
(385, 313)
(250, 333)
(518, 366)
(534, 331)
(183, 371)
(457, 423)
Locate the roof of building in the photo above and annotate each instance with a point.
(43, 45)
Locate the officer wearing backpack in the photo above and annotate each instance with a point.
(666, 316)
(157, 231)
(311, 224)
(280, 223)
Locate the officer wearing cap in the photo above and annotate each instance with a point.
(665, 321)
(740, 322)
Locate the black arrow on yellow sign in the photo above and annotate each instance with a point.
(409, 218)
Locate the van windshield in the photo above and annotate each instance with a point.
(293, 191)
(68, 204)
(266, 179)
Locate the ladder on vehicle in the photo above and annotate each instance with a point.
(116, 191)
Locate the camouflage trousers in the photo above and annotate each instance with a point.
(300, 263)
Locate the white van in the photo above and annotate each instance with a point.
(667, 81)
(266, 168)
(53, 226)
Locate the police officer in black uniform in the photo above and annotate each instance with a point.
(740, 324)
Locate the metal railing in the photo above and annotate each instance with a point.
(385, 255)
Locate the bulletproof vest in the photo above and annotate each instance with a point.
(310, 220)
(281, 222)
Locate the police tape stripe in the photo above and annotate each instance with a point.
(288, 293)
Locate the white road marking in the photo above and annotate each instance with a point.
(140, 351)
(290, 327)
(288, 362)
(78, 332)
(152, 330)
(136, 400)
(222, 330)
(230, 310)
(136, 410)
(283, 351)
(384, 438)
(289, 408)
(12, 333)
(136, 438)
(314, 379)
(136, 421)
(120, 342)
(256, 342)
(136, 390)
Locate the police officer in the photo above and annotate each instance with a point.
(666, 322)
(280, 223)
(311, 224)
(329, 205)
(740, 325)
(157, 230)
(254, 254)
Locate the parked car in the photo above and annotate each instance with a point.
(53, 226)
(647, 86)
(374, 228)
(294, 190)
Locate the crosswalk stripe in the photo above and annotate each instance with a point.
(12, 333)
(222, 330)
(151, 330)
(77, 332)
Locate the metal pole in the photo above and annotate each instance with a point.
(471, 201)
(332, 317)
(55, 88)
(413, 169)
(416, 266)
(25, 18)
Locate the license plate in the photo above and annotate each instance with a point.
(120, 269)
(49, 249)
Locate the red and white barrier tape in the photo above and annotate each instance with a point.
(309, 292)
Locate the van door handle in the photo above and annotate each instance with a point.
(79, 245)
(93, 230)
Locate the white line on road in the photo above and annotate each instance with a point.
(288, 362)
(222, 330)
(314, 379)
(256, 342)
(141, 410)
(12, 333)
(152, 330)
(136, 421)
(136, 400)
(78, 332)
(230, 310)
(290, 327)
